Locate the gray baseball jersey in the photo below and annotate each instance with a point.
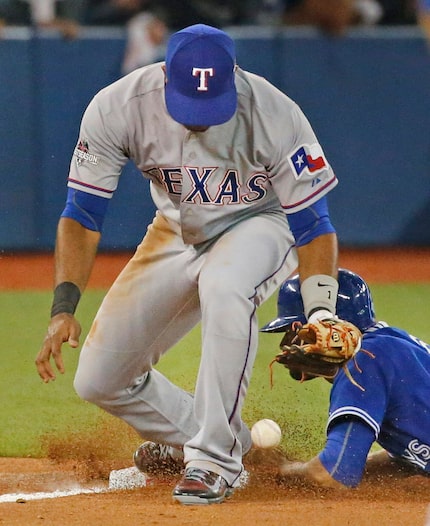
(218, 247)
(264, 158)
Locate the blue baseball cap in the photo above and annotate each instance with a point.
(200, 88)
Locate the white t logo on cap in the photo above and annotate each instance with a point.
(204, 74)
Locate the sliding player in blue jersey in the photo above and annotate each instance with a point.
(392, 407)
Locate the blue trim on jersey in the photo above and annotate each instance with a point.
(87, 209)
(332, 183)
(311, 222)
(357, 412)
(91, 186)
(345, 454)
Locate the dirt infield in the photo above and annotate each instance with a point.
(262, 502)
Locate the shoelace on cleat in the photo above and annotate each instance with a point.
(164, 452)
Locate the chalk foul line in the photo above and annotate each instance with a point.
(24, 497)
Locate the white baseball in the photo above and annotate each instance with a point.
(266, 434)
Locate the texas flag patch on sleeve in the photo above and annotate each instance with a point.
(308, 157)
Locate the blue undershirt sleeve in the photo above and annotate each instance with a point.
(345, 453)
(87, 209)
(311, 222)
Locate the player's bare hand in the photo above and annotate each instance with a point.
(62, 328)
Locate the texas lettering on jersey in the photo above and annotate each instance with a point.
(228, 191)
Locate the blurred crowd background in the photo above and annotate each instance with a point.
(148, 23)
(358, 68)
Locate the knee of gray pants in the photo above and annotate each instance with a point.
(87, 392)
(86, 389)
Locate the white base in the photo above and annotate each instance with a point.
(128, 478)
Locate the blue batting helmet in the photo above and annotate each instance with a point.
(354, 303)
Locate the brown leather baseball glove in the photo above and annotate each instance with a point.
(318, 349)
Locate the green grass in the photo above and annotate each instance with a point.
(32, 411)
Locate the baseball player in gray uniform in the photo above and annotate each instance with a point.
(239, 182)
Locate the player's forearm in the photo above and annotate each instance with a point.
(377, 459)
(320, 256)
(75, 252)
(318, 275)
(311, 472)
(380, 464)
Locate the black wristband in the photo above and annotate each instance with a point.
(66, 298)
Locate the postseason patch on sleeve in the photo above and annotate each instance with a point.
(308, 157)
(83, 154)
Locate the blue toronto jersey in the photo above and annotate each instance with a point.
(395, 402)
